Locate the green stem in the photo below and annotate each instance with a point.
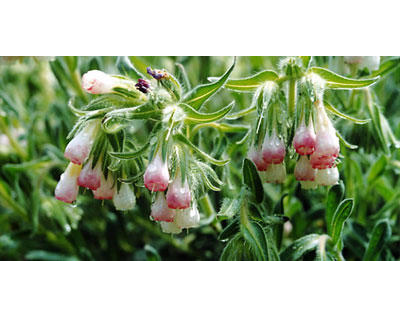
(77, 85)
(208, 208)
(292, 97)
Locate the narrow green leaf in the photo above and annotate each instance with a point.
(300, 247)
(183, 78)
(131, 154)
(180, 137)
(335, 111)
(341, 214)
(200, 94)
(335, 81)
(252, 179)
(306, 61)
(345, 142)
(229, 207)
(126, 68)
(377, 169)
(231, 229)
(380, 235)
(386, 67)
(193, 116)
(254, 234)
(251, 83)
(278, 229)
(335, 195)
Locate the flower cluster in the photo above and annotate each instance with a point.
(174, 210)
(317, 148)
(83, 172)
(91, 167)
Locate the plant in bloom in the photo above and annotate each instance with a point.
(67, 188)
(111, 159)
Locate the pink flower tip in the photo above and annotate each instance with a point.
(156, 177)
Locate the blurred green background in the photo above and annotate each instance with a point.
(34, 123)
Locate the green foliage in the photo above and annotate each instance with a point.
(42, 106)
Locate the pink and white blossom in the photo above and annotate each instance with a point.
(160, 210)
(90, 177)
(156, 177)
(303, 170)
(257, 158)
(98, 82)
(328, 176)
(273, 149)
(327, 145)
(304, 140)
(79, 147)
(106, 189)
(188, 218)
(178, 195)
(276, 173)
(67, 188)
(170, 228)
(124, 199)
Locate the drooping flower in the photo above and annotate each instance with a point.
(125, 199)
(98, 82)
(303, 170)
(106, 189)
(327, 145)
(156, 177)
(257, 158)
(67, 188)
(90, 177)
(273, 149)
(275, 173)
(160, 210)
(178, 195)
(188, 218)
(308, 185)
(304, 140)
(79, 147)
(328, 176)
(170, 228)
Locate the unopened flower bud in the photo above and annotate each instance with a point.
(90, 177)
(328, 176)
(143, 85)
(257, 158)
(79, 147)
(125, 199)
(304, 140)
(178, 195)
(170, 228)
(106, 189)
(98, 82)
(275, 173)
(188, 218)
(160, 210)
(156, 177)
(157, 74)
(303, 170)
(273, 149)
(67, 188)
